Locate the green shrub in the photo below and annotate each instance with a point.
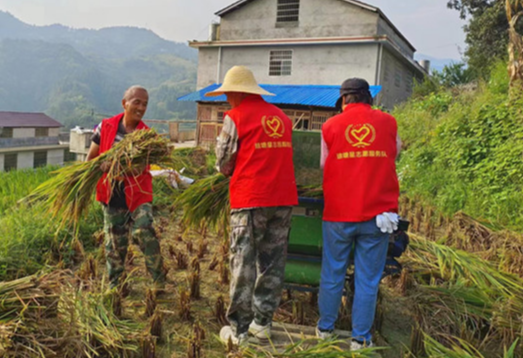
(464, 150)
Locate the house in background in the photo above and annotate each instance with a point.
(308, 42)
(30, 140)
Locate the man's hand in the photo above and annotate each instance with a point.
(105, 166)
(135, 171)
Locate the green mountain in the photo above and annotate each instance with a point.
(79, 76)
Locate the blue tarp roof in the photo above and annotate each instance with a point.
(303, 95)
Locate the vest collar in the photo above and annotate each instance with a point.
(351, 106)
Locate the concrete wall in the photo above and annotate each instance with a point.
(23, 132)
(1, 162)
(55, 157)
(207, 67)
(385, 29)
(333, 18)
(25, 160)
(80, 142)
(53, 132)
(397, 79)
(318, 64)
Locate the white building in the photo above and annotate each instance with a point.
(30, 140)
(310, 42)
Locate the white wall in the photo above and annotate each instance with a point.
(23, 132)
(53, 132)
(207, 67)
(25, 160)
(312, 65)
(55, 157)
(333, 18)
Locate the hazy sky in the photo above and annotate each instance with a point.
(428, 24)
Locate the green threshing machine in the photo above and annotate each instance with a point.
(303, 268)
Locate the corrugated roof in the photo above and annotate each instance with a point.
(27, 120)
(303, 95)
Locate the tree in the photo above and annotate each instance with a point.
(493, 32)
(514, 11)
(453, 75)
(471, 7)
(487, 33)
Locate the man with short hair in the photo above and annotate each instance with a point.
(361, 190)
(129, 205)
(255, 147)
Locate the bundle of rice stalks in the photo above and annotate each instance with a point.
(69, 193)
(311, 191)
(100, 331)
(453, 347)
(311, 348)
(47, 316)
(451, 265)
(464, 295)
(206, 203)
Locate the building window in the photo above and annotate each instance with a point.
(397, 77)
(42, 132)
(408, 81)
(10, 161)
(40, 159)
(288, 11)
(280, 63)
(6, 132)
(386, 72)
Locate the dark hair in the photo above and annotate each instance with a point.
(359, 98)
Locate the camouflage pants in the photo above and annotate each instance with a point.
(118, 223)
(259, 239)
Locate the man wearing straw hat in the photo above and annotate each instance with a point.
(129, 205)
(360, 186)
(255, 148)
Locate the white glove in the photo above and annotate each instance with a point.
(387, 222)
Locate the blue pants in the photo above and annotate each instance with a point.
(370, 253)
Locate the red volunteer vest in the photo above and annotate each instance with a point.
(264, 172)
(359, 179)
(138, 190)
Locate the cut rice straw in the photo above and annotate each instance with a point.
(69, 193)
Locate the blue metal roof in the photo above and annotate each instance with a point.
(303, 95)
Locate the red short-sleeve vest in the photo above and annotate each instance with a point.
(264, 172)
(359, 179)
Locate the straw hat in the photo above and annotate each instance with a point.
(239, 79)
